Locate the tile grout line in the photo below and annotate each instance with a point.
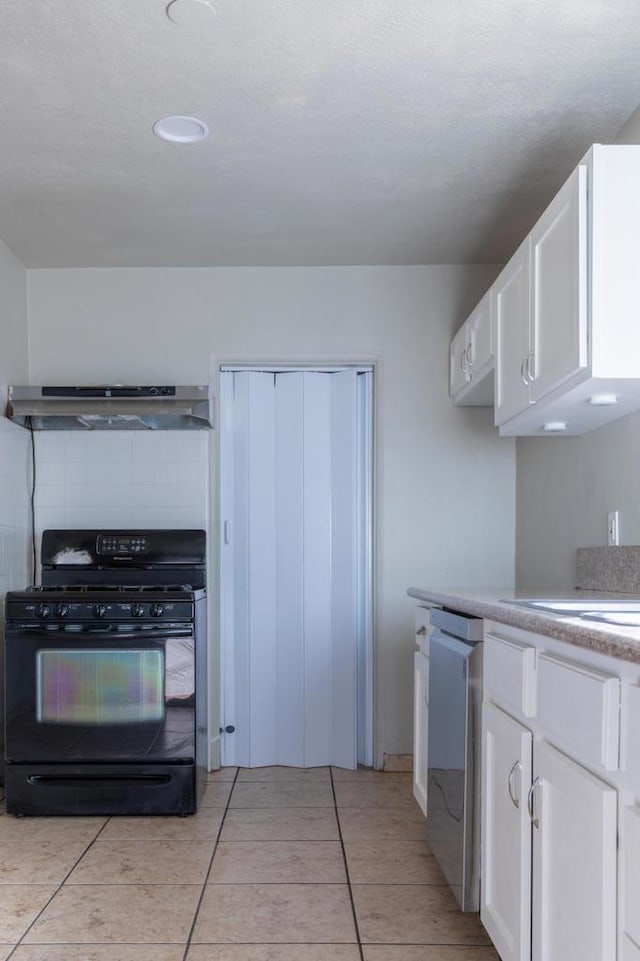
(207, 875)
(346, 867)
(57, 890)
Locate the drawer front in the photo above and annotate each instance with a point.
(579, 710)
(510, 674)
(631, 874)
(629, 754)
(423, 628)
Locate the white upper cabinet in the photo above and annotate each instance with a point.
(580, 367)
(540, 304)
(471, 359)
(558, 292)
(510, 311)
(563, 312)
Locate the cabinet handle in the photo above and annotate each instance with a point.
(516, 767)
(421, 632)
(523, 376)
(534, 820)
(469, 354)
(528, 361)
(463, 358)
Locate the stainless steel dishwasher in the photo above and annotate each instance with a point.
(453, 781)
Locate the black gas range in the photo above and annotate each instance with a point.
(105, 667)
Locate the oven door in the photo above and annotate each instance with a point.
(96, 696)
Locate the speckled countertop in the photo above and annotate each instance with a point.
(612, 639)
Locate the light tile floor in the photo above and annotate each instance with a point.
(279, 864)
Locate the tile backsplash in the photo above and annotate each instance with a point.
(122, 479)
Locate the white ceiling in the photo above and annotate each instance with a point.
(342, 131)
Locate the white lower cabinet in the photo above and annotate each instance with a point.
(574, 817)
(630, 852)
(506, 834)
(420, 727)
(550, 820)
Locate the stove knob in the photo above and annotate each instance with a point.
(99, 610)
(61, 610)
(43, 610)
(137, 610)
(156, 610)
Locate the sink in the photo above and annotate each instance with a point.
(575, 607)
(624, 618)
(614, 611)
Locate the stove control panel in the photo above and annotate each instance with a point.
(71, 611)
(114, 545)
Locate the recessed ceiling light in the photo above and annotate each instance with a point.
(554, 426)
(603, 400)
(190, 13)
(181, 129)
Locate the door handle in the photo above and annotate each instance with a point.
(421, 632)
(534, 820)
(516, 767)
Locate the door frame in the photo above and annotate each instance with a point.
(270, 362)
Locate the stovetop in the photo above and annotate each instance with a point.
(110, 588)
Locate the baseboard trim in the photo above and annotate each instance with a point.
(397, 763)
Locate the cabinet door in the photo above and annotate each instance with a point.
(574, 861)
(630, 875)
(420, 729)
(559, 287)
(506, 834)
(510, 317)
(459, 372)
(480, 349)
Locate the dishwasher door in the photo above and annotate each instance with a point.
(453, 799)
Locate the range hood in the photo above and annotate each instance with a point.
(111, 408)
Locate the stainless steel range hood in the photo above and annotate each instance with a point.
(114, 407)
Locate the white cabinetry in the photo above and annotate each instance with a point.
(510, 309)
(540, 304)
(537, 798)
(421, 707)
(558, 291)
(565, 327)
(506, 834)
(574, 816)
(630, 825)
(471, 359)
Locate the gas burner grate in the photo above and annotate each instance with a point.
(110, 588)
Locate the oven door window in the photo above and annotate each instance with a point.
(100, 687)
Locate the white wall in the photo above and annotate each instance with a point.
(630, 131)
(14, 446)
(565, 488)
(445, 482)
